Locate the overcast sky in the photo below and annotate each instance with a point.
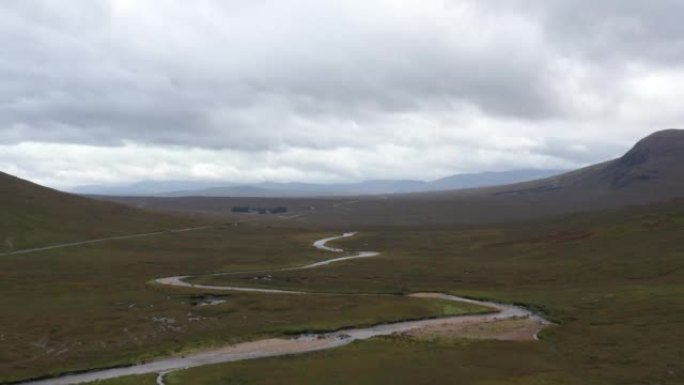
(95, 91)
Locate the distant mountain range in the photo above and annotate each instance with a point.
(272, 189)
(648, 173)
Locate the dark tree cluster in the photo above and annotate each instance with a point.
(260, 210)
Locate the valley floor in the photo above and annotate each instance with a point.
(613, 282)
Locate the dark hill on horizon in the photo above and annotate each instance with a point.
(33, 215)
(650, 172)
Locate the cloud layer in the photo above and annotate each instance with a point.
(311, 91)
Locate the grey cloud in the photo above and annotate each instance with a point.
(263, 80)
(632, 30)
(84, 74)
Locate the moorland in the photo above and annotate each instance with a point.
(609, 274)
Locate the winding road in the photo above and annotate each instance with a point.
(300, 344)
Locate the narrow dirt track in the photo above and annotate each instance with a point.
(91, 241)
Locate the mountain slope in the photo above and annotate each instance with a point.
(34, 215)
(656, 159)
(485, 179)
(650, 171)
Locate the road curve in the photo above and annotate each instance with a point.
(300, 344)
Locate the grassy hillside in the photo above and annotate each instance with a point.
(33, 215)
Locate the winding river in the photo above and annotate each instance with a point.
(300, 344)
